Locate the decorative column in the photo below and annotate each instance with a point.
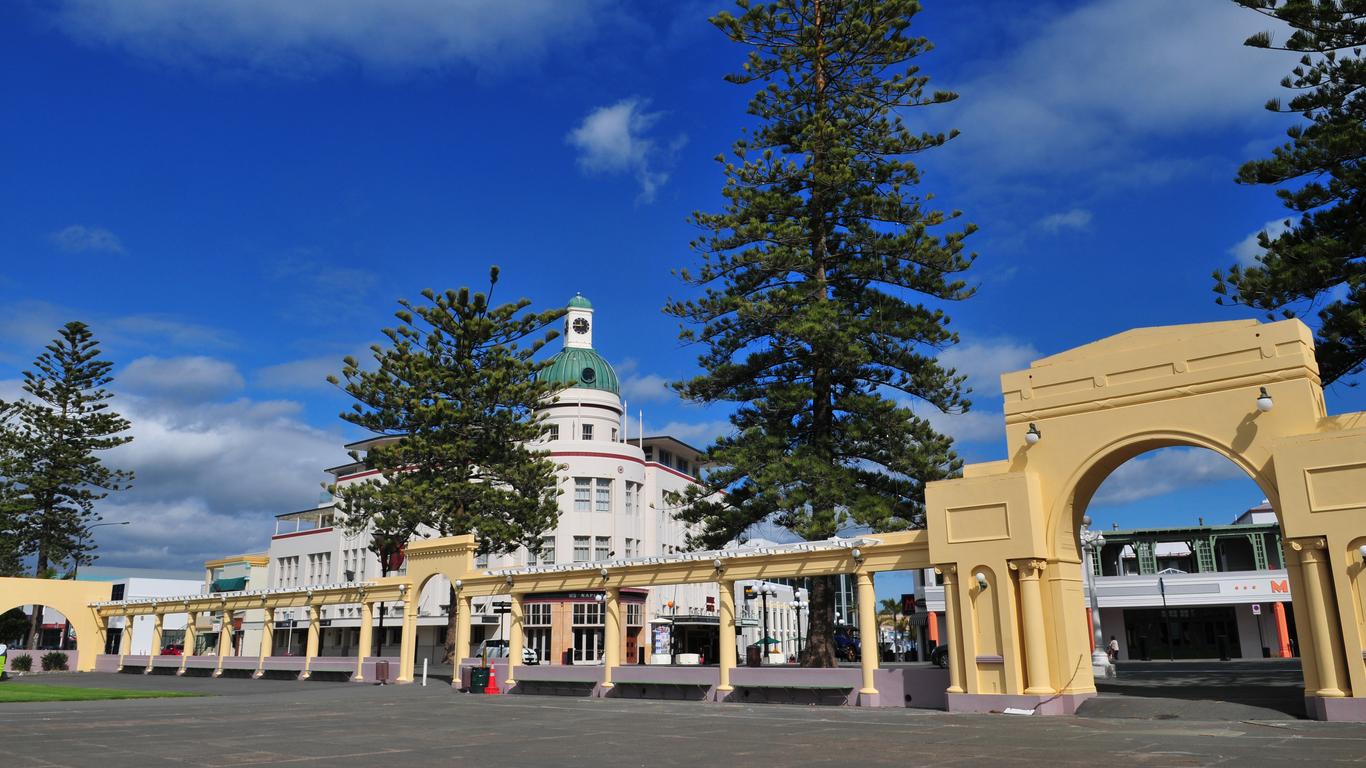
(158, 628)
(367, 638)
(224, 640)
(315, 616)
(1282, 631)
(187, 648)
(867, 621)
(1031, 613)
(611, 634)
(462, 634)
(126, 641)
(408, 645)
(727, 628)
(516, 637)
(267, 640)
(950, 582)
(1314, 563)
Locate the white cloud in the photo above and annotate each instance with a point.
(1164, 471)
(983, 361)
(210, 478)
(1077, 218)
(193, 379)
(975, 426)
(78, 238)
(308, 373)
(646, 387)
(1248, 249)
(613, 139)
(697, 434)
(1093, 82)
(26, 326)
(307, 37)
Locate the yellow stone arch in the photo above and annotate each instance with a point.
(1099, 405)
(73, 599)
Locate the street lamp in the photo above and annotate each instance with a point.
(1091, 543)
(798, 605)
(765, 592)
(76, 568)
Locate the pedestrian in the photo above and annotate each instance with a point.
(4, 656)
(1113, 650)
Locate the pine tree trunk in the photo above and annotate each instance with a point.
(35, 624)
(820, 638)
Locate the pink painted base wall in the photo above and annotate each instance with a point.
(13, 654)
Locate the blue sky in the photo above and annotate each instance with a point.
(233, 194)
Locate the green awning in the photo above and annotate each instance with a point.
(230, 585)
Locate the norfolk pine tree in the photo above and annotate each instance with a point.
(814, 280)
(456, 386)
(1317, 263)
(49, 458)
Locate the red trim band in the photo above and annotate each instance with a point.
(300, 533)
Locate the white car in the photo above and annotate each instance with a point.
(497, 649)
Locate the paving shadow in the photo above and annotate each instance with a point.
(1205, 690)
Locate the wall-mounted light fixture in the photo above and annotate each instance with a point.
(1362, 550)
(717, 564)
(1264, 401)
(509, 579)
(981, 580)
(403, 589)
(458, 584)
(857, 554)
(604, 573)
(1033, 435)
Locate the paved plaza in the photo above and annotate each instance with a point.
(246, 722)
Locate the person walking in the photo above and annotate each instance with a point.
(4, 658)
(1112, 650)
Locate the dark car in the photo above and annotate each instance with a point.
(847, 645)
(940, 656)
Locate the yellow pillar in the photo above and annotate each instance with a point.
(1315, 567)
(407, 649)
(461, 649)
(126, 641)
(951, 626)
(727, 622)
(224, 640)
(315, 615)
(267, 646)
(867, 621)
(1031, 614)
(158, 627)
(516, 637)
(367, 638)
(611, 634)
(187, 647)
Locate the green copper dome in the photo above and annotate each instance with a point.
(579, 302)
(579, 367)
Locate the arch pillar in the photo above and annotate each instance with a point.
(611, 633)
(1317, 582)
(408, 643)
(1037, 676)
(367, 639)
(726, 651)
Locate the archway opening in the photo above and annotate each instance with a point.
(1184, 578)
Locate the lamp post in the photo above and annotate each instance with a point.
(1091, 543)
(798, 605)
(76, 568)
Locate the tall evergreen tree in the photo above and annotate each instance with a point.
(50, 457)
(816, 277)
(1319, 262)
(457, 387)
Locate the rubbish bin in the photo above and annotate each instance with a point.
(381, 671)
(753, 656)
(479, 679)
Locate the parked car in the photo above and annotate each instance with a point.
(497, 649)
(940, 656)
(173, 650)
(847, 644)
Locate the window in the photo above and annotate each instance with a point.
(547, 550)
(587, 614)
(481, 561)
(552, 432)
(630, 548)
(665, 457)
(604, 495)
(587, 431)
(602, 548)
(634, 614)
(580, 549)
(287, 572)
(614, 434)
(537, 615)
(583, 491)
(630, 498)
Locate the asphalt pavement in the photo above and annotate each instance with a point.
(260, 722)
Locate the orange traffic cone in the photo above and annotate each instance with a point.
(492, 687)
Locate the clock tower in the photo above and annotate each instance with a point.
(578, 324)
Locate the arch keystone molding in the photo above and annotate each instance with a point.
(1099, 405)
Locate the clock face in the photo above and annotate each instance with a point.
(580, 325)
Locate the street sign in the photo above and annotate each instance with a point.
(502, 607)
(1256, 609)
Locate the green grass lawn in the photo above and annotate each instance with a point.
(12, 692)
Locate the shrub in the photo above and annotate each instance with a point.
(21, 663)
(54, 661)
